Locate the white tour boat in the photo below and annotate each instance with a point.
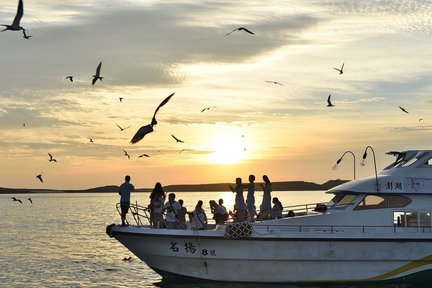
(374, 229)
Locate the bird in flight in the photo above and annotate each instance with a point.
(177, 140)
(275, 82)
(144, 130)
(126, 154)
(15, 199)
(70, 78)
(121, 129)
(241, 29)
(143, 155)
(91, 140)
(121, 99)
(97, 75)
(329, 104)
(403, 109)
(341, 69)
(30, 200)
(420, 119)
(207, 108)
(25, 36)
(16, 22)
(51, 159)
(40, 177)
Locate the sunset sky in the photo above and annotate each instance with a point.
(151, 49)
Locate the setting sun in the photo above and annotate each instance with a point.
(228, 149)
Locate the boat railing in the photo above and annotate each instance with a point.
(142, 214)
(139, 213)
(333, 229)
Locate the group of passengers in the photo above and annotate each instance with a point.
(176, 214)
(246, 210)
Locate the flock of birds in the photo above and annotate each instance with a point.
(148, 128)
(19, 200)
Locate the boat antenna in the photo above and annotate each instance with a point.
(340, 160)
(363, 163)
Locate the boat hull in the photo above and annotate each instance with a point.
(275, 258)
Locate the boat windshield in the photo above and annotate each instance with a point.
(341, 200)
(408, 158)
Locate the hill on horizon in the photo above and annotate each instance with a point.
(276, 186)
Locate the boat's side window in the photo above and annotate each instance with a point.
(397, 201)
(372, 202)
(411, 219)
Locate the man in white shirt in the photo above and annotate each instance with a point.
(172, 209)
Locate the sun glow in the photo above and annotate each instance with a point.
(228, 150)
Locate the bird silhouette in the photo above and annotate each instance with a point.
(177, 140)
(70, 78)
(127, 259)
(275, 82)
(15, 26)
(207, 108)
(420, 119)
(25, 36)
(403, 109)
(341, 69)
(329, 104)
(126, 154)
(90, 140)
(97, 75)
(121, 129)
(30, 200)
(241, 29)
(143, 155)
(144, 130)
(121, 99)
(40, 177)
(15, 199)
(51, 159)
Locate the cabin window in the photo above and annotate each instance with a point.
(344, 201)
(398, 201)
(372, 202)
(425, 219)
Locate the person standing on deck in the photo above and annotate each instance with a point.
(125, 190)
(265, 207)
(157, 199)
(239, 205)
(172, 209)
(250, 199)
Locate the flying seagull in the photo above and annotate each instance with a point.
(30, 200)
(51, 158)
(97, 75)
(143, 155)
(70, 78)
(40, 177)
(91, 140)
(121, 99)
(15, 199)
(121, 129)
(25, 36)
(16, 22)
(177, 140)
(341, 69)
(207, 108)
(144, 130)
(275, 82)
(329, 104)
(240, 29)
(403, 109)
(126, 154)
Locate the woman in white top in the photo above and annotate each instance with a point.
(199, 220)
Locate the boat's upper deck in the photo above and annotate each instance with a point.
(411, 173)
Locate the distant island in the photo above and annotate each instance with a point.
(276, 186)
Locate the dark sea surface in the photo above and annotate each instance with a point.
(60, 241)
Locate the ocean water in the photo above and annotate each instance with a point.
(60, 241)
